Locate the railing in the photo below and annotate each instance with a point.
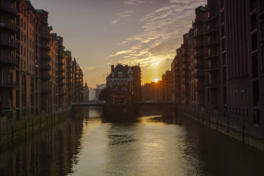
(199, 55)
(9, 26)
(61, 63)
(8, 84)
(61, 77)
(45, 66)
(199, 73)
(45, 76)
(44, 90)
(212, 43)
(9, 43)
(212, 67)
(8, 8)
(200, 87)
(45, 47)
(210, 30)
(9, 60)
(213, 85)
(212, 56)
(45, 38)
(45, 58)
(211, 18)
(198, 65)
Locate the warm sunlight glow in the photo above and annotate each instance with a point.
(155, 79)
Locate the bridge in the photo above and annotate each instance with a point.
(101, 103)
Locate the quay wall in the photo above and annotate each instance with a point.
(233, 126)
(14, 131)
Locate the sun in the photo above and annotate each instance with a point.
(155, 80)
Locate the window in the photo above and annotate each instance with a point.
(223, 31)
(253, 4)
(224, 59)
(256, 93)
(222, 3)
(223, 45)
(254, 41)
(253, 21)
(222, 17)
(255, 65)
(256, 118)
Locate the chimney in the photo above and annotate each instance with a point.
(112, 68)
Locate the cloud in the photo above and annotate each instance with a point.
(162, 30)
(133, 2)
(114, 21)
(125, 14)
(122, 16)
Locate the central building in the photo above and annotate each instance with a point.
(124, 86)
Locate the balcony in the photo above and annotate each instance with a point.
(199, 45)
(211, 30)
(198, 66)
(185, 61)
(8, 84)
(9, 60)
(45, 66)
(9, 43)
(8, 9)
(212, 18)
(61, 70)
(45, 58)
(212, 56)
(61, 63)
(199, 74)
(9, 26)
(200, 87)
(212, 43)
(45, 76)
(45, 38)
(212, 85)
(185, 68)
(61, 84)
(61, 93)
(44, 90)
(199, 55)
(61, 77)
(212, 67)
(45, 48)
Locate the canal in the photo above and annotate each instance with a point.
(159, 143)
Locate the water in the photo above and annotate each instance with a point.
(155, 145)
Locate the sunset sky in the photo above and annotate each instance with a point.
(104, 32)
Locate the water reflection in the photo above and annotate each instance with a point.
(160, 143)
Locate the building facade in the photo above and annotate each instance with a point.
(124, 83)
(220, 64)
(36, 73)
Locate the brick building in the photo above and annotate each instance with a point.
(167, 86)
(36, 72)
(222, 57)
(8, 56)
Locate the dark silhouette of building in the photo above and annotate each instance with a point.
(124, 83)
